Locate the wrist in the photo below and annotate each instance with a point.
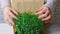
(47, 7)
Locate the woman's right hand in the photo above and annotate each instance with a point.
(8, 13)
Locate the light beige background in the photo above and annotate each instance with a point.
(26, 5)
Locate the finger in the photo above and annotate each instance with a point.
(8, 20)
(47, 18)
(47, 21)
(11, 15)
(44, 15)
(42, 11)
(38, 10)
(13, 11)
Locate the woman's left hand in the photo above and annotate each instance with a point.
(44, 13)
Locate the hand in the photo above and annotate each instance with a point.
(9, 12)
(44, 13)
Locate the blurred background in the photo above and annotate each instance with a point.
(1, 15)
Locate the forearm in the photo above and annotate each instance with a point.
(5, 3)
